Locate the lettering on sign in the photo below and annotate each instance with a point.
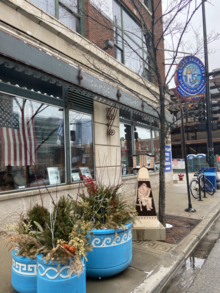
(101, 87)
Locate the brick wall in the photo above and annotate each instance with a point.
(98, 27)
(158, 33)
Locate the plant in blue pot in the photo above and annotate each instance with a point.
(24, 238)
(112, 219)
(61, 260)
(50, 250)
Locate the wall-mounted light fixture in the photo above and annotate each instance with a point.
(108, 44)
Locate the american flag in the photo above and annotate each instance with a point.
(17, 132)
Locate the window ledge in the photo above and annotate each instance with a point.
(32, 192)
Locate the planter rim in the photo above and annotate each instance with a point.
(14, 251)
(55, 263)
(110, 231)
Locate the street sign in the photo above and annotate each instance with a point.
(190, 79)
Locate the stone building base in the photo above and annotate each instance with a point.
(149, 233)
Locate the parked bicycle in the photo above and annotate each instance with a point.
(194, 184)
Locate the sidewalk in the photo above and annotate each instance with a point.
(153, 261)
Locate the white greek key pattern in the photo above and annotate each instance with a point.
(58, 272)
(24, 269)
(111, 241)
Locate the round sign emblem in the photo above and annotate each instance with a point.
(190, 78)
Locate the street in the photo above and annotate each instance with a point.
(200, 272)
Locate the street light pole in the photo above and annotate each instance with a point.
(190, 208)
(210, 149)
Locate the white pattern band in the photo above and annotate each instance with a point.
(111, 241)
(58, 272)
(24, 269)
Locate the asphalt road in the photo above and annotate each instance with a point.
(207, 280)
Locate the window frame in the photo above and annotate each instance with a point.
(80, 14)
(123, 34)
(50, 103)
(141, 125)
(93, 144)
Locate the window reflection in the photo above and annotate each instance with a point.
(142, 141)
(46, 5)
(126, 149)
(68, 18)
(81, 140)
(67, 11)
(133, 56)
(31, 144)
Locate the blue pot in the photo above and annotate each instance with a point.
(110, 255)
(24, 274)
(50, 279)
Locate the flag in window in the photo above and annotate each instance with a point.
(60, 128)
(17, 132)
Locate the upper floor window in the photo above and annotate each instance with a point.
(147, 3)
(67, 11)
(130, 47)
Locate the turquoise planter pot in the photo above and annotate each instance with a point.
(50, 279)
(110, 255)
(24, 274)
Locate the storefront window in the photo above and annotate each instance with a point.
(126, 149)
(81, 141)
(142, 142)
(31, 144)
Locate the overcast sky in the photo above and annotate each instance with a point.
(212, 23)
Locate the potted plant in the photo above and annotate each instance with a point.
(112, 221)
(61, 262)
(180, 177)
(23, 238)
(59, 244)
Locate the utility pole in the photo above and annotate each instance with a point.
(210, 148)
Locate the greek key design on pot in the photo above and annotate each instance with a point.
(112, 240)
(24, 269)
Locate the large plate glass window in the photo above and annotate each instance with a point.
(126, 149)
(67, 11)
(31, 144)
(81, 141)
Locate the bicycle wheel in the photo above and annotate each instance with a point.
(194, 188)
(209, 187)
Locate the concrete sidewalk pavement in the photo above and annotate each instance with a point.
(153, 262)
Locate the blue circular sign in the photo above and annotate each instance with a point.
(190, 78)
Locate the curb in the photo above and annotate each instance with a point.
(155, 282)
